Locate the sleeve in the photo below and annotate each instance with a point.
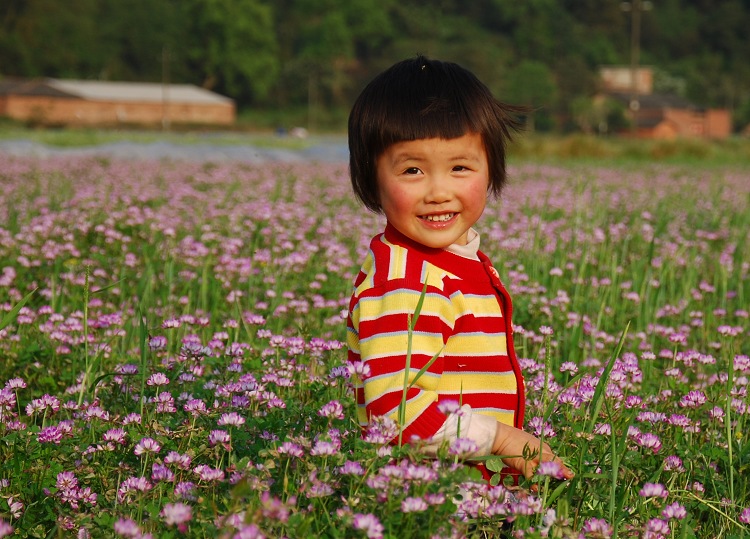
(382, 318)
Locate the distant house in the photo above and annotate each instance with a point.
(86, 102)
(663, 116)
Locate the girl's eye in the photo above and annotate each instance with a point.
(459, 168)
(412, 170)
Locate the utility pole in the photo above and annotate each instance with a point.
(165, 120)
(635, 7)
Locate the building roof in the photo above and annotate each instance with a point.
(113, 91)
(34, 87)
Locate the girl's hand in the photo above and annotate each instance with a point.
(516, 442)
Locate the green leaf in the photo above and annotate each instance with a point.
(11, 316)
(598, 400)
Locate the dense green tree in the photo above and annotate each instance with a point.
(232, 44)
(316, 55)
(532, 84)
(50, 38)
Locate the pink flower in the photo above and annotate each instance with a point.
(656, 528)
(332, 410)
(413, 505)
(649, 441)
(325, 448)
(206, 473)
(176, 513)
(232, 418)
(463, 447)
(15, 383)
(291, 449)
(49, 435)
(157, 379)
(6, 529)
(66, 480)
(745, 516)
(449, 406)
(693, 399)
(133, 484)
(550, 468)
(126, 527)
(181, 461)
(146, 445)
(117, 436)
(370, 524)
(653, 490)
(219, 437)
(596, 528)
(674, 510)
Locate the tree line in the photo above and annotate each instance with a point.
(318, 54)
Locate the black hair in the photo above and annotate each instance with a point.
(420, 98)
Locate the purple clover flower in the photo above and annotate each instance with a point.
(50, 435)
(674, 510)
(157, 379)
(412, 504)
(550, 468)
(332, 410)
(653, 490)
(368, 523)
(463, 447)
(232, 419)
(694, 399)
(146, 445)
(596, 528)
(177, 514)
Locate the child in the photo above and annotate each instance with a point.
(427, 144)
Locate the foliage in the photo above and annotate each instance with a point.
(179, 370)
(318, 54)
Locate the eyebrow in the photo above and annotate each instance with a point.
(404, 157)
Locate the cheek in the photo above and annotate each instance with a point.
(477, 194)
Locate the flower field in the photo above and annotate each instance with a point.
(172, 360)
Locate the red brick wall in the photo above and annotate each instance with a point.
(47, 110)
(718, 123)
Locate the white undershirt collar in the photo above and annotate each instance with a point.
(469, 250)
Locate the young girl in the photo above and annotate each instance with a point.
(427, 145)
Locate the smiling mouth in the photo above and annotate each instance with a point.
(438, 218)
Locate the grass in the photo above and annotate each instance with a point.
(172, 359)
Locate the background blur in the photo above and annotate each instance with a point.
(302, 62)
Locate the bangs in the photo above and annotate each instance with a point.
(427, 101)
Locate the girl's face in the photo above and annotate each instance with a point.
(434, 190)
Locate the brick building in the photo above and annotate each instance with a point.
(102, 103)
(663, 116)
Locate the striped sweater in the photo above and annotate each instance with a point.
(465, 318)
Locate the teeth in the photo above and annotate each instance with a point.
(439, 218)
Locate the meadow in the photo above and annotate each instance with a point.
(172, 360)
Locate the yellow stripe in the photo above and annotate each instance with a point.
(404, 301)
(397, 266)
(381, 385)
(415, 407)
(395, 344)
(478, 383)
(477, 345)
(480, 306)
(367, 267)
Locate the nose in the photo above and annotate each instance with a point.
(438, 190)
